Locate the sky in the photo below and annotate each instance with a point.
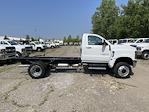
(47, 18)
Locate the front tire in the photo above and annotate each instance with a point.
(37, 70)
(122, 70)
(18, 54)
(39, 49)
(145, 55)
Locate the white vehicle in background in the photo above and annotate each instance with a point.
(50, 44)
(138, 41)
(37, 46)
(128, 41)
(113, 41)
(21, 50)
(7, 52)
(61, 43)
(142, 46)
(57, 44)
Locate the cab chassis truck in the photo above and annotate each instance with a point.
(96, 54)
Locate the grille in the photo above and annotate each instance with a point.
(10, 50)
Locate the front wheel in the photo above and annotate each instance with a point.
(145, 55)
(122, 70)
(18, 54)
(39, 49)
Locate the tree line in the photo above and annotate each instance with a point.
(125, 21)
(72, 40)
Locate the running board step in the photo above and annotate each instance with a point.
(97, 68)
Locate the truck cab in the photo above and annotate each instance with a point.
(97, 52)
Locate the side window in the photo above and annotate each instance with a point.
(93, 40)
(147, 41)
(139, 41)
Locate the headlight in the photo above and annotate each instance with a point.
(2, 50)
(23, 50)
(139, 48)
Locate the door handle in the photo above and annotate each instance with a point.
(88, 47)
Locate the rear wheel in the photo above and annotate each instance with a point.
(37, 70)
(145, 55)
(122, 70)
(86, 70)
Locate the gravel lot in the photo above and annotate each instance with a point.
(73, 92)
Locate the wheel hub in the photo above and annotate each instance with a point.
(146, 55)
(123, 71)
(36, 71)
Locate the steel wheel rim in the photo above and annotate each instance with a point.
(36, 70)
(146, 55)
(123, 71)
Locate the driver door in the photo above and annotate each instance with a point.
(95, 50)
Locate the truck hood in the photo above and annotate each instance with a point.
(124, 48)
(142, 44)
(19, 46)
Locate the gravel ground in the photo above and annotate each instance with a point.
(73, 92)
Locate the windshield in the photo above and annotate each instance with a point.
(122, 41)
(13, 42)
(146, 41)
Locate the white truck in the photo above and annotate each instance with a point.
(96, 53)
(6, 53)
(37, 46)
(50, 44)
(142, 46)
(21, 50)
(127, 41)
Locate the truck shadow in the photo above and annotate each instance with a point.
(90, 72)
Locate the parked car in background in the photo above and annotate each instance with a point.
(21, 50)
(128, 41)
(142, 46)
(50, 44)
(113, 41)
(7, 52)
(37, 46)
(57, 44)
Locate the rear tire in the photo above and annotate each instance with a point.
(122, 70)
(37, 70)
(85, 68)
(145, 55)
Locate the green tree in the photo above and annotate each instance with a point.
(6, 38)
(27, 38)
(104, 18)
(69, 39)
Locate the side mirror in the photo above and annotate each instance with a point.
(104, 42)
